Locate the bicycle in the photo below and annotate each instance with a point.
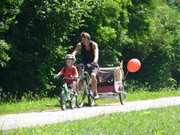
(85, 87)
(67, 95)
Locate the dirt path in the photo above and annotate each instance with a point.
(13, 121)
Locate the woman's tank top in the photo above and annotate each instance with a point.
(87, 55)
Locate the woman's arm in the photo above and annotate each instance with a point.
(96, 52)
(77, 49)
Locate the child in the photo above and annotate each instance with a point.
(69, 72)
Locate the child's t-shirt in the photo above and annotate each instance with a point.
(69, 72)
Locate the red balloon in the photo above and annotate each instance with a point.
(133, 65)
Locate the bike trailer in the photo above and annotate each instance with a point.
(110, 80)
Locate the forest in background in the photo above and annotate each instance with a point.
(35, 35)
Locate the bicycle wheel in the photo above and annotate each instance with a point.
(62, 101)
(81, 94)
(89, 93)
(122, 96)
(73, 102)
(91, 101)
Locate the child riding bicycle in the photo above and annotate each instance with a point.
(69, 72)
(69, 88)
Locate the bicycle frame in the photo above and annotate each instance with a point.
(85, 82)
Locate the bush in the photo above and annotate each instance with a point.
(35, 36)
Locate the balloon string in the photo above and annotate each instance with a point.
(125, 76)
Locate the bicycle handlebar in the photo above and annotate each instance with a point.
(89, 65)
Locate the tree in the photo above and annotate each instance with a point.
(8, 12)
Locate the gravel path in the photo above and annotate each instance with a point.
(13, 121)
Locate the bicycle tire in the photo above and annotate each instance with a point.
(122, 96)
(62, 102)
(91, 101)
(73, 102)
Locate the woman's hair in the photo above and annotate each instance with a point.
(86, 35)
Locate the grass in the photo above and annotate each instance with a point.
(52, 103)
(25, 106)
(142, 95)
(163, 121)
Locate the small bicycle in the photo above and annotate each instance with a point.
(68, 96)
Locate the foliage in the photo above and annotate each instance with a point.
(35, 36)
(8, 12)
(4, 58)
(152, 41)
